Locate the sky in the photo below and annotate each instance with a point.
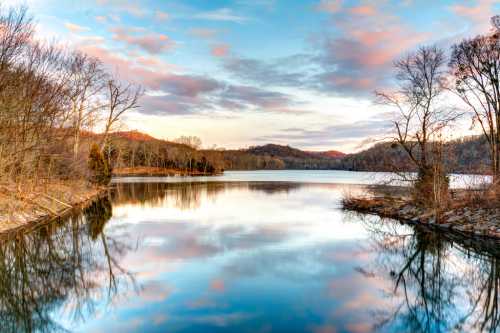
(248, 72)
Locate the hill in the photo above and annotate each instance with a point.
(330, 154)
(273, 156)
(465, 155)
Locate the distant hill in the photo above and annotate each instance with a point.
(465, 155)
(290, 152)
(273, 156)
(135, 136)
(330, 154)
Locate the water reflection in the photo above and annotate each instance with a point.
(186, 195)
(59, 267)
(438, 284)
(245, 257)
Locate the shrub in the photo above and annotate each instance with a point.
(100, 172)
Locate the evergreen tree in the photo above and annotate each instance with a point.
(98, 166)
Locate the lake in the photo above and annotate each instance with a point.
(244, 252)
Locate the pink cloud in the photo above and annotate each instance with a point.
(220, 50)
(478, 13)
(155, 63)
(156, 77)
(131, 8)
(330, 6)
(161, 16)
(101, 19)
(217, 285)
(203, 32)
(363, 10)
(75, 28)
(170, 92)
(358, 83)
(360, 327)
(361, 59)
(151, 42)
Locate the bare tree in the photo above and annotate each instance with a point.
(85, 86)
(475, 66)
(120, 99)
(191, 141)
(420, 119)
(15, 35)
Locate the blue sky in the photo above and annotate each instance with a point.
(245, 72)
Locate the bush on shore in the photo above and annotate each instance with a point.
(100, 172)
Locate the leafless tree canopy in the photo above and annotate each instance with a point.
(48, 97)
(475, 65)
(420, 114)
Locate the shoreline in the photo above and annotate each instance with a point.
(63, 198)
(160, 172)
(468, 222)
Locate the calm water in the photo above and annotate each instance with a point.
(309, 176)
(234, 256)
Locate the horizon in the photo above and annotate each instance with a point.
(245, 73)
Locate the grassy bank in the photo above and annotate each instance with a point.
(22, 205)
(152, 171)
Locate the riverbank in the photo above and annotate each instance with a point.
(476, 221)
(151, 171)
(22, 205)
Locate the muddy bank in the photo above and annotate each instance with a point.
(467, 221)
(23, 206)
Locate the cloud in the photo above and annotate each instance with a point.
(283, 72)
(363, 10)
(101, 19)
(247, 96)
(131, 8)
(222, 14)
(334, 135)
(151, 42)
(217, 285)
(330, 6)
(161, 16)
(220, 50)
(75, 28)
(187, 93)
(478, 12)
(359, 58)
(203, 32)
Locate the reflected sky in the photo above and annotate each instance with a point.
(310, 176)
(280, 257)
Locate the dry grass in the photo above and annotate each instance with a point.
(153, 171)
(21, 204)
(487, 198)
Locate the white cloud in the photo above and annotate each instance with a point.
(75, 28)
(223, 14)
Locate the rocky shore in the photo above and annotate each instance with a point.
(469, 221)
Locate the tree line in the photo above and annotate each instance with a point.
(134, 149)
(50, 95)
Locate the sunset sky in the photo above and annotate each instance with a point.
(246, 72)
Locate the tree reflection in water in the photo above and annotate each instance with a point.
(186, 196)
(69, 266)
(440, 284)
